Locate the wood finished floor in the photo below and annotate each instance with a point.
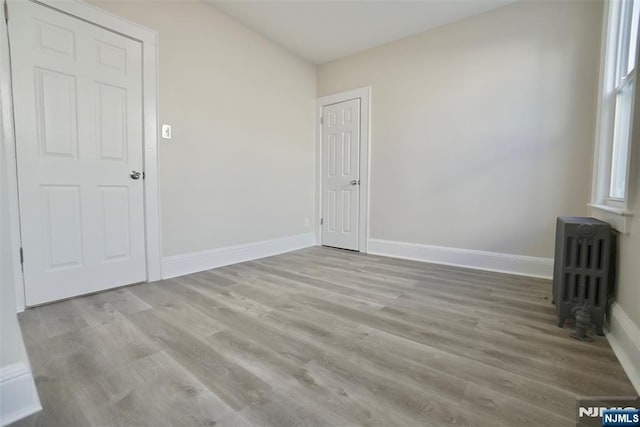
(317, 337)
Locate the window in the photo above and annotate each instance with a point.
(611, 185)
(624, 23)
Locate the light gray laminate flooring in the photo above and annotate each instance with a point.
(317, 337)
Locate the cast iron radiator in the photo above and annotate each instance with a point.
(581, 273)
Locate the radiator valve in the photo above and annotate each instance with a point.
(583, 323)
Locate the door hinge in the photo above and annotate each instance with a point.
(21, 256)
(321, 221)
(142, 174)
(6, 12)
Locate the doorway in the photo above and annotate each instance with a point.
(343, 152)
(86, 183)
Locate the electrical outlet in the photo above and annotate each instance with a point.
(166, 131)
(306, 222)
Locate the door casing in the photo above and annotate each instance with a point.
(364, 94)
(148, 39)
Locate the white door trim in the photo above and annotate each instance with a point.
(149, 41)
(8, 146)
(364, 94)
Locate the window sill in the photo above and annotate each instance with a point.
(620, 219)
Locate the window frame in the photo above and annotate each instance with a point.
(614, 79)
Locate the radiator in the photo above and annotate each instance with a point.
(581, 273)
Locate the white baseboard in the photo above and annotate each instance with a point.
(18, 395)
(468, 258)
(179, 265)
(624, 337)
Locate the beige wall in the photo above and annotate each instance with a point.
(482, 131)
(240, 165)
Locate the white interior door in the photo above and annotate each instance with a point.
(341, 174)
(78, 111)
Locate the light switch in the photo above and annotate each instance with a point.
(166, 131)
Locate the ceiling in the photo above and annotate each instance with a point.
(321, 31)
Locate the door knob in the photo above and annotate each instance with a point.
(135, 175)
(355, 182)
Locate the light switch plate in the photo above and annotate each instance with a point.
(166, 131)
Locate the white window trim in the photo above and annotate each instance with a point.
(149, 40)
(616, 212)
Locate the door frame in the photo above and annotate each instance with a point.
(149, 41)
(364, 94)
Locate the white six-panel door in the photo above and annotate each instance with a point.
(341, 174)
(78, 111)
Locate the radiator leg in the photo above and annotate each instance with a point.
(561, 322)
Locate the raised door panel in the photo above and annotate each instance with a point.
(332, 210)
(111, 57)
(116, 225)
(346, 211)
(55, 40)
(347, 147)
(56, 113)
(332, 119)
(111, 122)
(62, 226)
(332, 155)
(347, 115)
